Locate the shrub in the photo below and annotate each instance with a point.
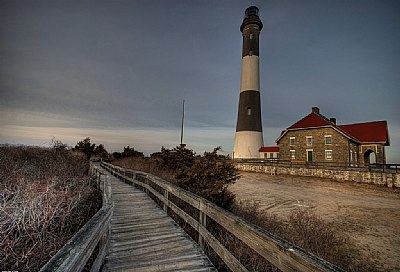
(209, 176)
(45, 197)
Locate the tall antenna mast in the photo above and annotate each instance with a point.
(183, 118)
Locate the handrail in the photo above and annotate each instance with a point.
(74, 255)
(275, 250)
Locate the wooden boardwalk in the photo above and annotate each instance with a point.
(145, 238)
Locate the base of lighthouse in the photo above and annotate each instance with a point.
(247, 144)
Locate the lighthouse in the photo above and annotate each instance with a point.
(249, 137)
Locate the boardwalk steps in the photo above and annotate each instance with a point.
(144, 238)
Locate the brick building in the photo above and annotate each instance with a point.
(318, 139)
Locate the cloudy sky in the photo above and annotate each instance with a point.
(117, 71)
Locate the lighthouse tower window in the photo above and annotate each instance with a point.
(251, 35)
(251, 52)
(248, 111)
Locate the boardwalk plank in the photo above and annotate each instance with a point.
(145, 238)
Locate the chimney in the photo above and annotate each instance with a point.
(333, 120)
(315, 110)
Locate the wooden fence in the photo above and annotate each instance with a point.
(200, 214)
(95, 233)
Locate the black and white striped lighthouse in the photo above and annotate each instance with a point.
(249, 137)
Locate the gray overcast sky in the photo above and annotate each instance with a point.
(117, 71)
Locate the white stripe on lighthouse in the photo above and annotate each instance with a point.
(250, 80)
(247, 144)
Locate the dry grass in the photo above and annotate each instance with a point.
(310, 232)
(45, 197)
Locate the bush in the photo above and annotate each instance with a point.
(209, 176)
(45, 197)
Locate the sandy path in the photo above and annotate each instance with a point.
(370, 214)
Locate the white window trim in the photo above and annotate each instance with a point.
(326, 136)
(290, 141)
(294, 153)
(326, 157)
(309, 137)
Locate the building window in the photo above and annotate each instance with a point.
(328, 155)
(292, 141)
(251, 35)
(248, 111)
(351, 155)
(292, 154)
(328, 139)
(309, 140)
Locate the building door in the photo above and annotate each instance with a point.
(309, 155)
(369, 157)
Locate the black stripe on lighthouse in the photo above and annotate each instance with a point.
(249, 114)
(250, 41)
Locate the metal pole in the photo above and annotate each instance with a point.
(183, 118)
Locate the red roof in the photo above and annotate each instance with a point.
(368, 132)
(311, 120)
(269, 149)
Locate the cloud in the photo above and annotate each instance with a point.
(124, 67)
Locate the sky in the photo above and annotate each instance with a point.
(118, 71)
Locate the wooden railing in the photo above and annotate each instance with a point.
(199, 213)
(76, 253)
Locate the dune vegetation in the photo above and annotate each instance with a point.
(46, 196)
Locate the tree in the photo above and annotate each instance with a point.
(208, 176)
(85, 147)
(100, 151)
(58, 146)
(131, 152)
(179, 159)
(117, 155)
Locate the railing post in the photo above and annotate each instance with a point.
(165, 206)
(147, 183)
(203, 222)
(104, 189)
